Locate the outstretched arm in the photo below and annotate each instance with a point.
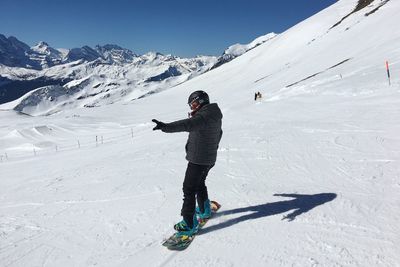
(187, 125)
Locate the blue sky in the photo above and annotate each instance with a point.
(179, 27)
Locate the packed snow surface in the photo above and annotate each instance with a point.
(307, 176)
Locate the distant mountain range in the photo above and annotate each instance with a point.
(90, 77)
(14, 53)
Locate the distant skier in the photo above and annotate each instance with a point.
(257, 95)
(204, 127)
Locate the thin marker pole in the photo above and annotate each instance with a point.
(388, 71)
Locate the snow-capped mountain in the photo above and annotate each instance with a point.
(93, 83)
(239, 49)
(14, 53)
(84, 53)
(110, 72)
(46, 55)
(116, 54)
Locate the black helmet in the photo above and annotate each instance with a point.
(199, 97)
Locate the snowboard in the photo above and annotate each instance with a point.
(175, 242)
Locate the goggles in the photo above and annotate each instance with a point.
(194, 104)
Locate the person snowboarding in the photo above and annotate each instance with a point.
(205, 132)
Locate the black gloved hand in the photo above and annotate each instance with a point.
(160, 125)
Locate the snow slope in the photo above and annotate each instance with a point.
(307, 176)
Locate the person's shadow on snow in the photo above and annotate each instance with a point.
(300, 204)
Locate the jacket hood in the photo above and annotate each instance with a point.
(211, 110)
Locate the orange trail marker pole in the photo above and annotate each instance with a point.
(388, 71)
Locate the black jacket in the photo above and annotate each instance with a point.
(204, 134)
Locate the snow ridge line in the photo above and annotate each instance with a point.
(318, 73)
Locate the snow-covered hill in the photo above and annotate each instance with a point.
(96, 83)
(307, 176)
(105, 83)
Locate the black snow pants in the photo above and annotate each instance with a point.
(194, 186)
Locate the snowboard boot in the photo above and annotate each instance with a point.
(206, 213)
(183, 228)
